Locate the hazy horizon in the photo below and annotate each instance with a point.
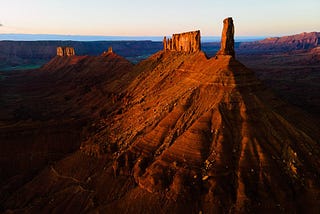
(61, 37)
(154, 18)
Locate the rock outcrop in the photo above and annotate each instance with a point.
(106, 53)
(227, 38)
(65, 51)
(186, 42)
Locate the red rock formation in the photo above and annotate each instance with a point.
(227, 38)
(65, 51)
(207, 139)
(186, 42)
(105, 53)
(302, 41)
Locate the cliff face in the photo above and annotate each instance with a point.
(65, 51)
(302, 41)
(186, 42)
(227, 38)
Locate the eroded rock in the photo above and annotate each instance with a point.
(65, 51)
(227, 38)
(185, 42)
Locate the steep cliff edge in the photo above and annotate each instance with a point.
(65, 51)
(302, 41)
(188, 42)
(227, 38)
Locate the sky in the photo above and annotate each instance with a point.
(157, 18)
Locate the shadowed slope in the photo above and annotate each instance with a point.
(44, 113)
(190, 134)
(208, 127)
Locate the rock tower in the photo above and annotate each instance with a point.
(65, 51)
(227, 38)
(185, 42)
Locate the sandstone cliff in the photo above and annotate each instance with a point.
(110, 51)
(186, 42)
(302, 41)
(65, 51)
(227, 38)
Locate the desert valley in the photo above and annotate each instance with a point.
(179, 126)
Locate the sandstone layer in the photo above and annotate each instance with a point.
(65, 51)
(303, 41)
(227, 38)
(185, 42)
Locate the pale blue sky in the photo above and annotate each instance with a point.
(156, 18)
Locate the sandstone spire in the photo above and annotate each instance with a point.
(185, 42)
(65, 51)
(227, 38)
(165, 44)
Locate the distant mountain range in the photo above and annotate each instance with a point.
(37, 37)
(302, 41)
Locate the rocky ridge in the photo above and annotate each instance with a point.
(302, 41)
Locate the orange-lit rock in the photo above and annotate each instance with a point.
(227, 38)
(185, 42)
(65, 51)
(188, 134)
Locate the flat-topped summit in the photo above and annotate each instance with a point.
(65, 51)
(185, 42)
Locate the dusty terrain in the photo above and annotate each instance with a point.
(44, 112)
(183, 137)
(177, 133)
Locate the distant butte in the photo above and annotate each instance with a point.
(65, 51)
(110, 51)
(185, 42)
(227, 38)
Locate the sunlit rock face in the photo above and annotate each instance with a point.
(65, 51)
(185, 42)
(227, 38)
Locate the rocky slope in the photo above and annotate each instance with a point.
(188, 135)
(24, 53)
(44, 113)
